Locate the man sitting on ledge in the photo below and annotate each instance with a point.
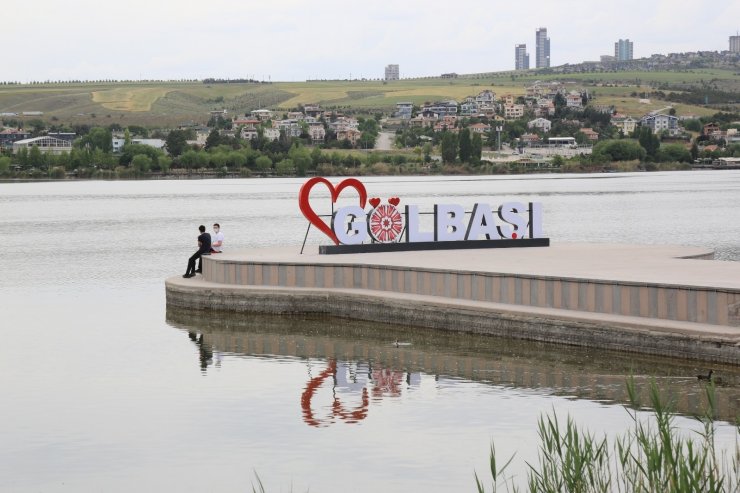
(204, 248)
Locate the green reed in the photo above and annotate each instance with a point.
(652, 456)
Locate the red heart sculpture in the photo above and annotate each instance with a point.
(314, 218)
(375, 202)
(394, 201)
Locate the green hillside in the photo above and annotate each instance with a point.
(156, 104)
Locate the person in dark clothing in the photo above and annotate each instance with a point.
(204, 248)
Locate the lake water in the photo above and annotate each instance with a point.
(103, 389)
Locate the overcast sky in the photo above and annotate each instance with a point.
(299, 39)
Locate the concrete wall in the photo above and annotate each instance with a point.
(665, 302)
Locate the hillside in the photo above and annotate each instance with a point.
(157, 104)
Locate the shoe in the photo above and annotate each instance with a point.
(199, 271)
(188, 276)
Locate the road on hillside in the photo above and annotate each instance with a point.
(384, 142)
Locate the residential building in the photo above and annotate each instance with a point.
(249, 133)
(711, 129)
(246, 122)
(469, 108)
(391, 72)
(513, 111)
(10, 135)
(589, 133)
(262, 115)
(574, 100)
(291, 127)
(486, 98)
(422, 121)
(529, 138)
(735, 44)
(271, 133)
(623, 50)
(542, 48)
(626, 124)
(659, 123)
(404, 110)
(317, 133)
(45, 144)
(117, 143)
(521, 57)
(479, 128)
(313, 110)
(442, 108)
(542, 124)
(350, 134)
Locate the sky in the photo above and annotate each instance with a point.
(295, 40)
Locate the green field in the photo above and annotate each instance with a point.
(174, 103)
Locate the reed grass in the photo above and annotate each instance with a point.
(652, 456)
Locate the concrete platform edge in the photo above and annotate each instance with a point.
(628, 334)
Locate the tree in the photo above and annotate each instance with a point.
(648, 140)
(4, 165)
(98, 138)
(214, 139)
(176, 142)
(694, 151)
(476, 150)
(141, 163)
(464, 145)
(263, 163)
(619, 150)
(449, 147)
(674, 153)
(35, 158)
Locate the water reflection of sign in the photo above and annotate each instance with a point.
(349, 381)
(389, 229)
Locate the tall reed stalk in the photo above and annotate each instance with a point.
(653, 456)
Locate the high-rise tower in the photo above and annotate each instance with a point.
(543, 48)
(623, 50)
(521, 57)
(391, 72)
(735, 44)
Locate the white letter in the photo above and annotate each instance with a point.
(535, 220)
(481, 223)
(348, 223)
(448, 222)
(509, 212)
(412, 226)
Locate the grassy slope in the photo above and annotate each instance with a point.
(172, 103)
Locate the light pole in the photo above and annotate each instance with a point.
(499, 128)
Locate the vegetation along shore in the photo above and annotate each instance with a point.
(498, 123)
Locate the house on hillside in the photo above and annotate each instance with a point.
(262, 115)
(404, 110)
(542, 124)
(574, 100)
(659, 123)
(350, 134)
(590, 134)
(317, 133)
(479, 128)
(513, 111)
(486, 98)
(11, 135)
(626, 124)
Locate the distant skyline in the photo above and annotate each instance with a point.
(294, 40)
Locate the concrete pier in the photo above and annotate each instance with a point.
(663, 300)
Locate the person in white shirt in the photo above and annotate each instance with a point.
(217, 239)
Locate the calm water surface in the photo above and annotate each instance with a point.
(104, 389)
